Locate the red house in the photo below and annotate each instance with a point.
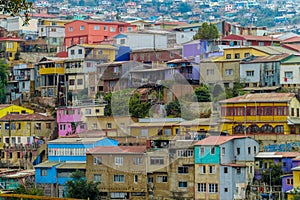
(249, 40)
(93, 32)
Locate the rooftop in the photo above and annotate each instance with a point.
(26, 117)
(217, 140)
(68, 140)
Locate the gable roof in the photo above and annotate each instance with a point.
(217, 140)
(273, 50)
(260, 97)
(69, 140)
(26, 117)
(293, 47)
(292, 40)
(262, 59)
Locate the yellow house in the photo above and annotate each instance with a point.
(199, 127)
(226, 69)
(20, 134)
(276, 113)
(9, 47)
(296, 183)
(13, 109)
(100, 51)
(150, 127)
(53, 22)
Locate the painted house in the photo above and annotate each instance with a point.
(13, 109)
(120, 170)
(290, 73)
(9, 47)
(249, 40)
(263, 71)
(65, 156)
(12, 179)
(94, 32)
(272, 113)
(224, 165)
(296, 183)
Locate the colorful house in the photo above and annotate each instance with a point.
(290, 73)
(249, 40)
(9, 47)
(13, 109)
(224, 165)
(65, 156)
(94, 32)
(272, 113)
(296, 183)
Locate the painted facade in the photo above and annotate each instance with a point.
(290, 73)
(9, 47)
(261, 113)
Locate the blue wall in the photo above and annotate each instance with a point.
(50, 178)
(207, 158)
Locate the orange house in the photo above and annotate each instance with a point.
(94, 32)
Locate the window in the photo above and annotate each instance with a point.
(96, 28)
(137, 160)
(70, 29)
(225, 189)
(43, 172)
(225, 170)
(54, 40)
(79, 81)
(238, 170)
(229, 72)
(112, 29)
(223, 151)
(117, 195)
(261, 44)
(48, 125)
(105, 28)
(161, 179)
(71, 82)
(121, 29)
(288, 75)
(201, 187)
(238, 151)
(249, 150)
(97, 161)
(116, 69)
(98, 178)
(185, 153)
(144, 132)
(129, 29)
(212, 150)
(72, 52)
(210, 72)
(119, 178)
(156, 160)
(254, 148)
(203, 169)
(118, 160)
(250, 73)
(108, 125)
(38, 126)
(202, 151)
(246, 55)
(122, 41)
(88, 111)
(212, 188)
(167, 131)
(183, 170)
(79, 51)
(237, 56)
(182, 184)
(135, 178)
(228, 56)
(212, 169)
(81, 28)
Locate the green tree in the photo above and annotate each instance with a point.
(79, 188)
(202, 93)
(173, 109)
(275, 171)
(17, 8)
(31, 190)
(3, 80)
(207, 32)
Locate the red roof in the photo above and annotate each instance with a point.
(101, 22)
(26, 117)
(11, 39)
(217, 140)
(63, 54)
(292, 39)
(293, 47)
(261, 97)
(249, 38)
(118, 150)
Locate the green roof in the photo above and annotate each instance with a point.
(291, 60)
(71, 165)
(47, 164)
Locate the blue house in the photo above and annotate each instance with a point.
(224, 165)
(65, 156)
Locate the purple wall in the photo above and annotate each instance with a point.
(286, 187)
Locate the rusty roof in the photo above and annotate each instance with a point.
(217, 140)
(294, 47)
(262, 59)
(26, 117)
(292, 39)
(260, 97)
(118, 150)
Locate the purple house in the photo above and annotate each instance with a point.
(75, 119)
(287, 182)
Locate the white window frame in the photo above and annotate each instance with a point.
(118, 160)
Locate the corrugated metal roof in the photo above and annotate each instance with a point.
(292, 59)
(217, 140)
(260, 97)
(26, 117)
(153, 124)
(270, 58)
(273, 50)
(47, 164)
(71, 165)
(68, 140)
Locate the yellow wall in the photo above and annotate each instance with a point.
(14, 109)
(51, 22)
(52, 70)
(111, 53)
(11, 48)
(241, 51)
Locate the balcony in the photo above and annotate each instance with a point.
(52, 70)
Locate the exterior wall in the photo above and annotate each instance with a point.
(210, 73)
(153, 130)
(76, 87)
(151, 56)
(207, 157)
(183, 37)
(286, 185)
(15, 109)
(290, 82)
(270, 80)
(76, 54)
(250, 79)
(50, 178)
(147, 41)
(108, 169)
